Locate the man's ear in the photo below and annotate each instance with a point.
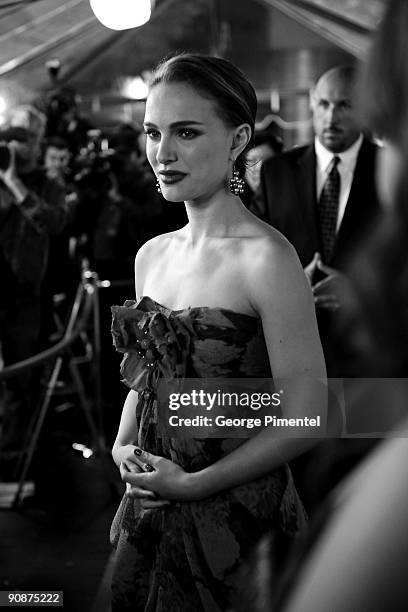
(242, 136)
(312, 99)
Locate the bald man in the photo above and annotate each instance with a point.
(322, 196)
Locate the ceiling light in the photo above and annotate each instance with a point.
(135, 88)
(122, 14)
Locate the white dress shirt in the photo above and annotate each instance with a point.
(346, 167)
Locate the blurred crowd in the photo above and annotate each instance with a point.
(114, 205)
(71, 195)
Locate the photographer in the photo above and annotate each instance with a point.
(107, 219)
(56, 159)
(64, 119)
(32, 207)
(62, 272)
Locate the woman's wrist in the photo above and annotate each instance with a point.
(115, 454)
(119, 452)
(194, 487)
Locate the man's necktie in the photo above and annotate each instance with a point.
(328, 209)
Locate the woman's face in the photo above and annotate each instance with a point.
(188, 145)
(388, 173)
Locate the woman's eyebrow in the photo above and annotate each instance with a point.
(176, 123)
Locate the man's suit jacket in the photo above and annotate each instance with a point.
(289, 202)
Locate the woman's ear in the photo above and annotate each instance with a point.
(242, 136)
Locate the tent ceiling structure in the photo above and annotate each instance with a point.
(347, 25)
(94, 58)
(91, 55)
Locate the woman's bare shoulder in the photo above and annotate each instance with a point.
(268, 247)
(271, 269)
(151, 254)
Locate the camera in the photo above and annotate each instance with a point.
(18, 134)
(5, 156)
(95, 164)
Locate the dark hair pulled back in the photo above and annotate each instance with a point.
(218, 80)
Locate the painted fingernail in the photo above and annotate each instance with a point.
(148, 468)
(138, 451)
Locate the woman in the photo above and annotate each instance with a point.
(223, 296)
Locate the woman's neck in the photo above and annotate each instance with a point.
(215, 218)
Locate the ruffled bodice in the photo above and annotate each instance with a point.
(200, 342)
(197, 342)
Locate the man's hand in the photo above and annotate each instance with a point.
(10, 177)
(331, 292)
(312, 267)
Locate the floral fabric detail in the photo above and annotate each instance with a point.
(150, 341)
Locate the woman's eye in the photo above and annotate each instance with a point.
(152, 134)
(187, 134)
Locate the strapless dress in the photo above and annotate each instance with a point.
(191, 556)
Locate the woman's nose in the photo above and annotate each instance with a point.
(166, 150)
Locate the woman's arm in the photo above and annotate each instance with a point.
(128, 427)
(123, 453)
(127, 432)
(281, 294)
(279, 291)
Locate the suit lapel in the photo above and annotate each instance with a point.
(305, 177)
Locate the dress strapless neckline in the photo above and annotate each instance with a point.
(147, 298)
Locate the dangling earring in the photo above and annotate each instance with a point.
(158, 186)
(236, 183)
